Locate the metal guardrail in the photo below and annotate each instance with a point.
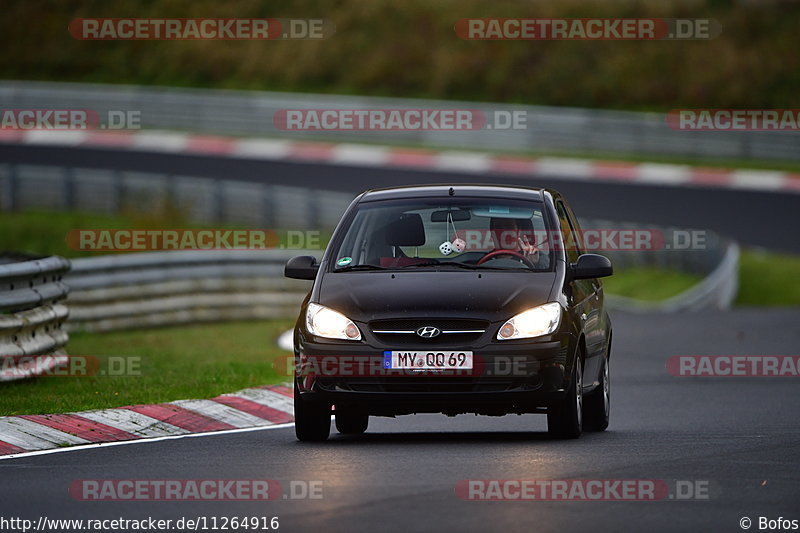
(154, 289)
(31, 315)
(548, 128)
(201, 200)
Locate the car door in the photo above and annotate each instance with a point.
(586, 295)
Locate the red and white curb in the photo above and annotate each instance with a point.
(351, 154)
(248, 408)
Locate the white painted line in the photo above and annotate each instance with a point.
(223, 413)
(562, 167)
(132, 422)
(360, 155)
(62, 138)
(463, 161)
(160, 141)
(30, 435)
(662, 174)
(92, 446)
(269, 398)
(765, 180)
(261, 148)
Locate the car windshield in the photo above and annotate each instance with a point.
(450, 233)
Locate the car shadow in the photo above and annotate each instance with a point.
(452, 437)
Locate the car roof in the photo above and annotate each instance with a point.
(459, 189)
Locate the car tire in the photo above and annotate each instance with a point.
(597, 405)
(564, 421)
(312, 419)
(351, 423)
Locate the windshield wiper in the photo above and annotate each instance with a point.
(466, 266)
(360, 267)
(443, 263)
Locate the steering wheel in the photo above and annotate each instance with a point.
(498, 253)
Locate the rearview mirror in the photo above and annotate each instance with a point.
(592, 266)
(301, 267)
(458, 215)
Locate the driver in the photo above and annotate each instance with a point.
(514, 234)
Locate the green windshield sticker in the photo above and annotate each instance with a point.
(344, 261)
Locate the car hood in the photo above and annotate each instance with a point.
(489, 295)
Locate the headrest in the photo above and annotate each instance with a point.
(406, 231)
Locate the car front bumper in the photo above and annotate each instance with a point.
(507, 377)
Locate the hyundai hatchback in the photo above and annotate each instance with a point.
(453, 299)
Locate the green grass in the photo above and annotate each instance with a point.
(649, 284)
(45, 232)
(767, 278)
(200, 361)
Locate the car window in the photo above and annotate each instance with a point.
(475, 233)
(571, 244)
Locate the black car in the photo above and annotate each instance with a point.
(453, 299)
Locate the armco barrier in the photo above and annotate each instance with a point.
(155, 289)
(32, 315)
(560, 129)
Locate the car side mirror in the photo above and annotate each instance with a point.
(301, 267)
(592, 266)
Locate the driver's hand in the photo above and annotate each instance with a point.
(529, 249)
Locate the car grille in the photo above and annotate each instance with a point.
(454, 331)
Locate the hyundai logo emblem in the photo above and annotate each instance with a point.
(428, 332)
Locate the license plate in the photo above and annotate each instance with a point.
(427, 360)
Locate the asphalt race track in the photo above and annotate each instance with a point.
(737, 435)
(753, 218)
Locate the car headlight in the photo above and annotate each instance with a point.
(535, 322)
(324, 322)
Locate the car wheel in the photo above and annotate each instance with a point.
(312, 420)
(351, 423)
(597, 405)
(564, 421)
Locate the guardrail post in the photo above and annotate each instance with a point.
(219, 201)
(268, 218)
(118, 191)
(313, 208)
(12, 187)
(68, 198)
(171, 201)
